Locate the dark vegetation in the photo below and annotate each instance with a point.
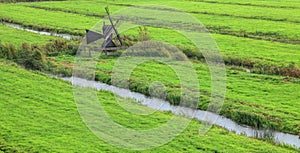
(34, 56)
(6, 148)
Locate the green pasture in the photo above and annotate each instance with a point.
(39, 112)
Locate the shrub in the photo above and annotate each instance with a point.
(31, 57)
(144, 35)
(55, 47)
(251, 119)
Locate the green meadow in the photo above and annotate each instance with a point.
(39, 113)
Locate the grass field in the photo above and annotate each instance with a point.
(40, 116)
(221, 23)
(247, 94)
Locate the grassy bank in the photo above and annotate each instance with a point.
(47, 21)
(17, 37)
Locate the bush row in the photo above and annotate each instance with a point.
(8, 148)
(33, 56)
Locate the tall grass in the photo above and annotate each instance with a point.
(33, 56)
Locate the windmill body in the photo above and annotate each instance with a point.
(108, 44)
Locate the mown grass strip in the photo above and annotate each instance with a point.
(269, 4)
(238, 51)
(248, 12)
